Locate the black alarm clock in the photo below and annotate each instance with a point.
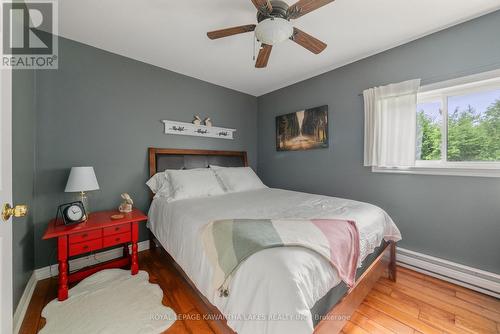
(72, 213)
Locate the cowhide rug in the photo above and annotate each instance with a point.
(110, 301)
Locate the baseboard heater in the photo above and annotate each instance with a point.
(472, 278)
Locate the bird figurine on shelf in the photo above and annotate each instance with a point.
(126, 205)
(208, 122)
(197, 120)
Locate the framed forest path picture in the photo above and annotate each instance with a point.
(302, 130)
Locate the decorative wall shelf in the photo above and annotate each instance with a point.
(190, 129)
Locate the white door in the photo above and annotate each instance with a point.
(5, 197)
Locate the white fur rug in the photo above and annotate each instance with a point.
(110, 301)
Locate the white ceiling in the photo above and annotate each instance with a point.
(172, 34)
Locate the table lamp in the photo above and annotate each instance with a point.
(82, 179)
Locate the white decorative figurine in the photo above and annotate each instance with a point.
(208, 122)
(197, 120)
(126, 205)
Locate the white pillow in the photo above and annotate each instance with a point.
(237, 179)
(159, 184)
(193, 183)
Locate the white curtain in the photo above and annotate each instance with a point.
(391, 124)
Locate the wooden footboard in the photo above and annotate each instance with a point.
(384, 264)
(334, 321)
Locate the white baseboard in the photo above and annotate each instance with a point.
(471, 278)
(22, 306)
(81, 262)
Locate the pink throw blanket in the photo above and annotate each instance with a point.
(230, 242)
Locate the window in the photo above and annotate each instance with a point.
(458, 128)
(429, 130)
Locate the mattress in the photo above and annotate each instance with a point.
(276, 290)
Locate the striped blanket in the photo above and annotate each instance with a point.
(229, 243)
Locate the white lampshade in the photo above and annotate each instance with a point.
(81, 179)
(272, 31)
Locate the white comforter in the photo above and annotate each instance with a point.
(274, 290)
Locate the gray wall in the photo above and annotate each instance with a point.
(455, 218)
(104, 110)
(23, 162)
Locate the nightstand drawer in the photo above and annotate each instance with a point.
(116, 229)
(85, 247)
(85, 236)
(116, 239)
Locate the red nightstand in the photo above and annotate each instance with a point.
(98, 232)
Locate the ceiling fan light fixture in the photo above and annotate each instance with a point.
(273, 30)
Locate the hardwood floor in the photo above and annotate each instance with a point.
(416, 303)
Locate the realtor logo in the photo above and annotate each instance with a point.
(29, 34)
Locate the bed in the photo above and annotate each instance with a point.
(277, 290)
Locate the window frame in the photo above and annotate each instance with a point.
(440, 92)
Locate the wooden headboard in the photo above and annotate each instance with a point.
(167, 158)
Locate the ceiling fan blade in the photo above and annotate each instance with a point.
(231, 31)
(264, 5)
(302, 7)
(307, 41)
(263, 56)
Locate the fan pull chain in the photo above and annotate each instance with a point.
(254, 40)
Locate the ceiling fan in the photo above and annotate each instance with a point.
(274, 26)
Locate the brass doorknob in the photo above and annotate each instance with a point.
(17, 211)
